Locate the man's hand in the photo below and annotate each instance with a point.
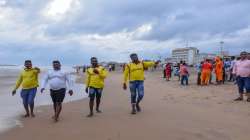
(96, 71)
(87, 90)
(13, 92)
(157, 62)
(42, 90)
(38, 69)
(71, 92)
(124, 86)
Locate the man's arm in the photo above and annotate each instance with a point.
(103, 73)
(69, 81)
(18, 83)
(44, 82)
(126, 74)
(38, 70)
(149, 64)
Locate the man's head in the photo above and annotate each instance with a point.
(134, 57)
(94, 61)
(243, 55)
(233, 58)
(56, 65)
(28, 64)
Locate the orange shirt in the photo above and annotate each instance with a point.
(206, 66)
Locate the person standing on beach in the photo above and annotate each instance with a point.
(134, 72)
(168, 71)
(218, 70)
(206, 72)
(94, 84)
(184, 74)
(58, 81)
(198, 70)
(242, 72)
(29, 81)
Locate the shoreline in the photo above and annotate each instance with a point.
(169, 112)
(11, 116)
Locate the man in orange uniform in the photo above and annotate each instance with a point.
(218, 70)
(206, 72)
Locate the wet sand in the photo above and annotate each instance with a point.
(170, 111)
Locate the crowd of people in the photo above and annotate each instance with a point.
(232, 69)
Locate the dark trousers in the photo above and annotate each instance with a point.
(199, 79)
(184, 78)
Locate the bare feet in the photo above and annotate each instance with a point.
(90, 115)
(98, 111)
(138, 108)
(26, 116)
(33, 115)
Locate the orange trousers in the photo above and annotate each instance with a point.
(205, 77)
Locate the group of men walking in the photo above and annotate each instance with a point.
(60, 83)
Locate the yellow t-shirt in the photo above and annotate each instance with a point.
(28, 79)
(135, 72)
(96, 80)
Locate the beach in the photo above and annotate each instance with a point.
(170, 111)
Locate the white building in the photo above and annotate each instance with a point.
(187, 54)
(202, 56)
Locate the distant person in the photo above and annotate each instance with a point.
(184, 73)
(110, 68)
(206, 72)
(242, 71)
(29, 81)
(134, 73)
(199, 70)
(232, 76)
(227, 66)
(58, 81)
(164, 70)
(218, 70)
(96, 75)
(168, 71)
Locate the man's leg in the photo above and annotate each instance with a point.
(247, 86)
(92, 93)
(132, 86)
(31, 98)
(98, 100)
(186, 77)
(140, 95)
(240, 83)
(53, 98)
(58, 111)
(60, 95)
(182, 80)
(24, 95)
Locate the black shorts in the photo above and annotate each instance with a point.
(58, 95)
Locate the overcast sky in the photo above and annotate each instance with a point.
(74, 30)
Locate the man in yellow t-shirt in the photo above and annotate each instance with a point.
(95, 77)
(134, 72)
(29, 81)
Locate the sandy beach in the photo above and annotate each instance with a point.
(170, 111)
